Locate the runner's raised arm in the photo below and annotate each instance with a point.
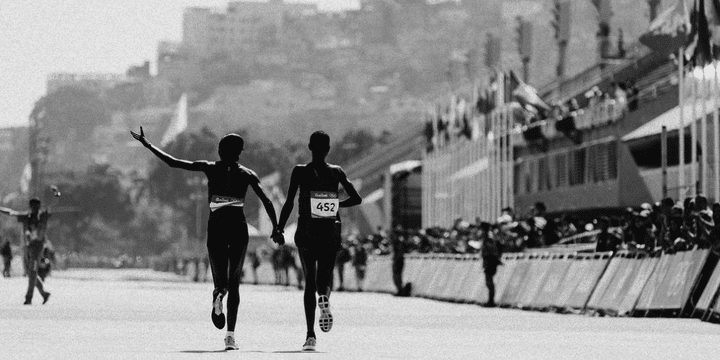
(167, 158)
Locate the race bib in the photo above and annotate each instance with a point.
(217, 201)
(324, 204)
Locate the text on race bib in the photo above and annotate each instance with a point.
(324, 204)
(218, 201)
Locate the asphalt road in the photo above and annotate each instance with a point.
(140, 314)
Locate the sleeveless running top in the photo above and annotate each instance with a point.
(227, 181)
(319, 189)
(318, 205)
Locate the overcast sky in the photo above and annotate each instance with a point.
(39, 37)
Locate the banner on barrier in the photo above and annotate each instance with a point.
(580, 296)
(515, 283)
(503, 276)
(535, 279)
(705, 301)
(645, 270)
(555, 277)
(675, 289)
(575, 273)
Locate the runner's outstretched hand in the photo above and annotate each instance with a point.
(278, 237)
(140, 137)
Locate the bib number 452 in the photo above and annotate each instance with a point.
(324, 205)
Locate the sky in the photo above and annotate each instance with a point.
(40, 37)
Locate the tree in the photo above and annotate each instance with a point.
(94, 200)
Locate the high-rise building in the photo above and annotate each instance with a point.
(243, 25)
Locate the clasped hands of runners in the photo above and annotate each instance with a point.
(277, 236)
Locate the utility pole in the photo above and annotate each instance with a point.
(37, 151)
(524, 42)
(561, 24)
(654, 5)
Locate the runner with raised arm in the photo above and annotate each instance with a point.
(227, 234)
(34, 224)
(318, 231)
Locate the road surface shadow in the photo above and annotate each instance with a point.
(250, 351)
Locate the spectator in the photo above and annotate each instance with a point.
(492, 255)
(255, 264)
(399, 248)
(606, 241)
(359, 262)
(343, 257)
(6, 252)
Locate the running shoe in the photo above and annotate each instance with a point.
(326, 319)
(309, 344)
(218, 318)
(230, 343)
(46, 297)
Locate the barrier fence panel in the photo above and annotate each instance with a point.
(516, 283)
(379, 274)
(457, 274)
(535, 279)
(428, 271)
(645, 270)
(620, 284)
(447, 264)
(578, 268)
(616, 262)
(557, 272)
(648, 292)
(580, 296)
(503, 276)
(412, 269)
(437, 276)
(477, 290)
(674, 290)
(708, 296)
(460, 289)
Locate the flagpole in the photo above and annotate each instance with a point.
(681, 130)
(693, 136)
(716, 134)
(703, 133)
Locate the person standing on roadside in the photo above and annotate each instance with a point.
(34, 224)
(491, 251)
(359, 262)
(6, 252)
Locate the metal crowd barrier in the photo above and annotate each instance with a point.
(619, 284)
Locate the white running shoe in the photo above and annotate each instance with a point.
(326, 318)
(230, 343)
(309, 344)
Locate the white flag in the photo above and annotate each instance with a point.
(25, 179)
(179, 122)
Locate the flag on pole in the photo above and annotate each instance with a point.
(699, 50)
(25, 179)
(179, 122)
(669, 31)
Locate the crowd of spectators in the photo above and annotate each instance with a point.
(665, 226)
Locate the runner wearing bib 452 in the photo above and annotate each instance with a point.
(318, 229)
